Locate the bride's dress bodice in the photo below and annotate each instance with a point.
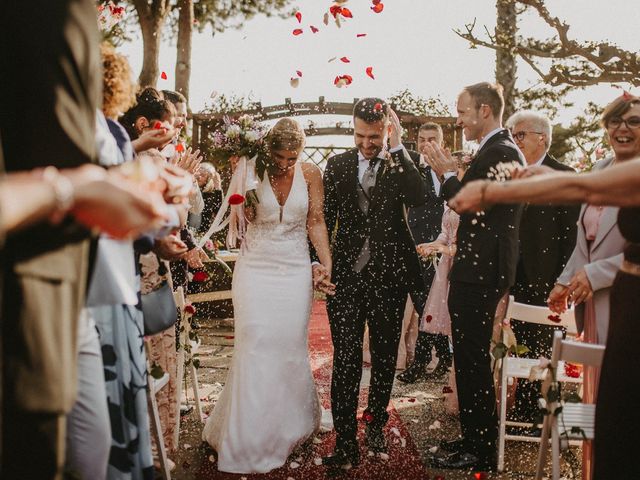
(280, 230)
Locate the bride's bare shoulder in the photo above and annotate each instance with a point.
(311, 171)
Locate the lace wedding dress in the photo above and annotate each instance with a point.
(269, 404)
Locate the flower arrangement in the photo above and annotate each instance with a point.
(241, 137)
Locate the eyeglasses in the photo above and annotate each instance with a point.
(632, 123)
(523, 133)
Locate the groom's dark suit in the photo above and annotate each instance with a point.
(377, 294)
(483, 269)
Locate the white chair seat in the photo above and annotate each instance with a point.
(521, 368)
(581, 415)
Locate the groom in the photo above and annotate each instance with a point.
(367, 192)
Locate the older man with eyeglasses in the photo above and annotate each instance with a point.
(547, 238)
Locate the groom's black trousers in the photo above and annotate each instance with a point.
(365, 298)
(472, 308)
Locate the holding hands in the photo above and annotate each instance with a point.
(322, 279)
(428, 249)
(578, 291)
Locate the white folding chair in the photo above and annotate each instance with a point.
(154, 385)
(516, 367)
(576, 421)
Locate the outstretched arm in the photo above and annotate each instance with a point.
(618, 185)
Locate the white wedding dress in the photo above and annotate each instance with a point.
(269, 405)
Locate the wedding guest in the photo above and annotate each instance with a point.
(424, 222)
(617, 420)
(483, 269)
(210, 184)
(547, 239)
(376, 265)
(151, 118)
(53, 90)
(589, 274)
(435, 318)
(180, 103)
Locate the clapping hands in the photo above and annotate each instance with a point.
(439, 159)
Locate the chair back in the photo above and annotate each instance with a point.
(540, 315)
(576, 352)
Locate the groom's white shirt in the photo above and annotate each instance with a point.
(363, 163)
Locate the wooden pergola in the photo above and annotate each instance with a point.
(205, 123)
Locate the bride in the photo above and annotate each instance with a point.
(269, 405)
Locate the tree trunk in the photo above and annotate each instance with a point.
(151, 17)
(506, 67)
(183, 55)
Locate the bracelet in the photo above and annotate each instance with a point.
(63, 191)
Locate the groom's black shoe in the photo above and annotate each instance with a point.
(413, 373)
(465, 461)
(374, 439)
(452, 446)
(343, 457)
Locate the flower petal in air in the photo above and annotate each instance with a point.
(180, 147)
(299, 17)
(314, 29)
(369, 72)
(345, 60)
(377, 7)
(163, 75)
(346, 13)
(360, 35)
(297, 31)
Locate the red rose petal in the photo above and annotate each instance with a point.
(428, 318)
(377, 107)
(346, 13)
(377, 8)
(335, 10)
(480, 476)
(345, 60)
(180, 147)
(360, 35)
(367, 417)
(229, 337)
(314, 29)
(412, 400)
(369, 72)
(375, 2)
(163, 76)
(299, 17)
(555, 318)
(200, 276)
(157, 125)
(190, 309)
(299, 73)
(297, 31)
(236, 199)
(447, 389)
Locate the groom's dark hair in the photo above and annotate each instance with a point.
(371, 110)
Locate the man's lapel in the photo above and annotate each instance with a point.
(377, 189)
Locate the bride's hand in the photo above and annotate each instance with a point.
(322, 279)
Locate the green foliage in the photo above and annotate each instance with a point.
(406, 101)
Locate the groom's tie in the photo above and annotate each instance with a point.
(365, 191)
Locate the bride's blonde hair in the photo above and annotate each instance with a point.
(286, 134)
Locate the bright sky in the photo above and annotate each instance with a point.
(410, 44)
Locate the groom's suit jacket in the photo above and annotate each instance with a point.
(487, 244)
(398, 186)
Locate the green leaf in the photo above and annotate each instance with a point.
(156, 371)
(499, 351)
(521, 350)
